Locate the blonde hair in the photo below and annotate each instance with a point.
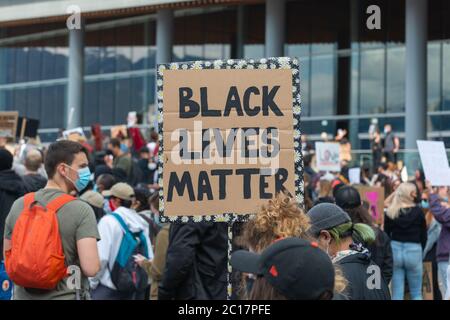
(281, 217)
(340, 282)
(402, 199)
(325, 188)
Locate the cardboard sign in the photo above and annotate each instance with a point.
(375, 197)
(327, 156)
(119, 131)
(435, 162)
(231, 137)
(8, 123)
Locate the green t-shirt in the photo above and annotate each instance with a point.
(76, 221)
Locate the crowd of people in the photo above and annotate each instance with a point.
(98, 199)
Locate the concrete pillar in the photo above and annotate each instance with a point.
(164, 36)
(74, 106)
(164, 40)
(240, 30)
(275, 27)
(416, 72)
(3, 68)
(3, 72)
(354, 63)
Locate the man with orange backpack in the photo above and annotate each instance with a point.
(49, 234)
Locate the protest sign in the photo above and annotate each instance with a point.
(435, 162)
(27, 127)
(354, 175)
(229, 137)
(8, 123)
(74, 134)
(327, 156)
(132, 119)
(375, 197)
(117, 131)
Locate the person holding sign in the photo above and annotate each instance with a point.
(196, 262)
(440, 208)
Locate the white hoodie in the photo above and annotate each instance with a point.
(111, 234)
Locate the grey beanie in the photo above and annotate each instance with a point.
(325, 216)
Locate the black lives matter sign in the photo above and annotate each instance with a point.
(228, 135)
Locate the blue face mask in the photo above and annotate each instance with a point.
(95, 188)
(445, 199)
(425, 204)
(84, 176)
(124, 148)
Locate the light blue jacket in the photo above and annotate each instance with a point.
(433, 234)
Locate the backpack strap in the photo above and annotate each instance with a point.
(58, 202)
(28, 199)
(144, 242)
(126, 230)
(121, 221)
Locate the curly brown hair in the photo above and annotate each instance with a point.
(280, 217)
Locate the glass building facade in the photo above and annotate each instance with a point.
(349, 74)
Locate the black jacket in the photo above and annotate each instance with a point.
(11, 188)
(34, 182)
(360, 276)
(196, 263)
(381, 254)
(409, 226)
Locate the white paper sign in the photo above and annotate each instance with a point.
(132, 118)
(73, 133)
(327, 156)
(435, 162)
(354, 175)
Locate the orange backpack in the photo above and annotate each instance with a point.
(36, 258)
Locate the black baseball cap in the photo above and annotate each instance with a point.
(348, 198)
(296, 268)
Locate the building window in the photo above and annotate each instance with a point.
(323, 73)
(395, 78)
(372, 81)
(434, 76)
